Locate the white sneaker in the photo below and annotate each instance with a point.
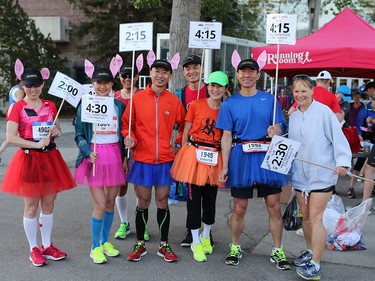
(300, 231)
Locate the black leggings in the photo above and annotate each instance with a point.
(201, 198)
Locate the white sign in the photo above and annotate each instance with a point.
(135, 36)
(280, 155)
(66, 88)
(96, 109)
(205, 35)
(89, 89)
(281, 29)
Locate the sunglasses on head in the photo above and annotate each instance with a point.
(302, 77)
(35, 85)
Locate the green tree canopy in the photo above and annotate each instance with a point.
(19, 38)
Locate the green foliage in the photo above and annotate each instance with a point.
(100, 31)
(238, 20)
(356, 5)
(21, 39)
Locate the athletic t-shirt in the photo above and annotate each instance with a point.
(203, 119)
(191, 95)
(117, 95)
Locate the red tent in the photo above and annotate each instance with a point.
(345, 47)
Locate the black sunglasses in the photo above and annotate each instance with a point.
(124, 76)
(32, 85)
(302, 77)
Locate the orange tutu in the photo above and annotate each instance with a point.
(186, 168)
(37, 174)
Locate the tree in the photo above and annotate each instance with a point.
(335, 6)
(21, 39)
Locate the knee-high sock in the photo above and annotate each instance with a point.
(31, 228)
(96, 228)
(141, 218)
(107, 224)
(164, 218)
(122, 207)
(45, 227)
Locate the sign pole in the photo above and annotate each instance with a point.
(201, 72)
(276, 79)
(131, 99)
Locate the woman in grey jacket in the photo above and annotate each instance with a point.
(322, 142)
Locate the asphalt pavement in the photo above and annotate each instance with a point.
(71, 233)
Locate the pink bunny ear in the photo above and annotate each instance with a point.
(175, 61)
(89, 68)
(45, 73)
(18, 68)
(119, 61)
(139, 63)
(236, 59)
(115, 64)
(150, 58)
(262, 60)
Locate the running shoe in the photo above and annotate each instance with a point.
(138, 252)
(198, 252)
(36, 257)
(123, 230)
(146, 236)
(187, 240)
(351, 193)
(207, 246)
(303, 259)
(97, 255)
(234, 256)
(278, 257)
(109, 250)
(309, 272)
(166, 252)
(53, 253)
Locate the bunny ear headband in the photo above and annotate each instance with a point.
(19, 69)
(236, 59)
(174, 61)
(114, 66)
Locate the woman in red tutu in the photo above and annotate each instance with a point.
(199, 163)
(37, 171)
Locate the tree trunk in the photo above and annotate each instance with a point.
(182, 13)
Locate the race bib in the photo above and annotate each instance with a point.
(207, 155)
(105, 129)
(255, 146)
(40, 130)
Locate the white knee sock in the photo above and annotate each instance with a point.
(206, 230)
(45, 226)
(122, 207)
(30, 227)
(195, 234)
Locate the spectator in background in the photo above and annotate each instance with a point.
(343, 95)
(370, 89)
(285, 99)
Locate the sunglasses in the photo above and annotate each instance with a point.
(33, 85)
(124, 76)
(302, 77)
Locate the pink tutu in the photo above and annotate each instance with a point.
(108, 168)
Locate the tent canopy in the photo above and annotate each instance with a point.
(345, 47)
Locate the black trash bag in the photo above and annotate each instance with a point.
(292, 218)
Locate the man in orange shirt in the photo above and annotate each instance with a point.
(155, 112)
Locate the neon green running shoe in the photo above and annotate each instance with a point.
(278, 257)
(97, 255)
(109, 250)
(123, 230)
(198, 252)
(234, 256)
(206, 244)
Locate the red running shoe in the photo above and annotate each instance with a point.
(53, 253)
(36, 257)
(138, 252)
(166, 252)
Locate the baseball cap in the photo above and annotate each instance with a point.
(102, 74)
(362, 89)
(191, 59)
(324, 75)
(31, 76)
(162, 63)
(345, 92)
(370, 85)
(218, 77)
(127, 69)
(248, 63)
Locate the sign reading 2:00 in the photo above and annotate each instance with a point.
(135, 36)
(68, 87)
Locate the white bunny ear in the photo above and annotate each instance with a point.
(18, 68)
(150, 58)
(45, 73)
(262, 60)
(139, 63)
(236, 59)
(89, 68)
(175, 61)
